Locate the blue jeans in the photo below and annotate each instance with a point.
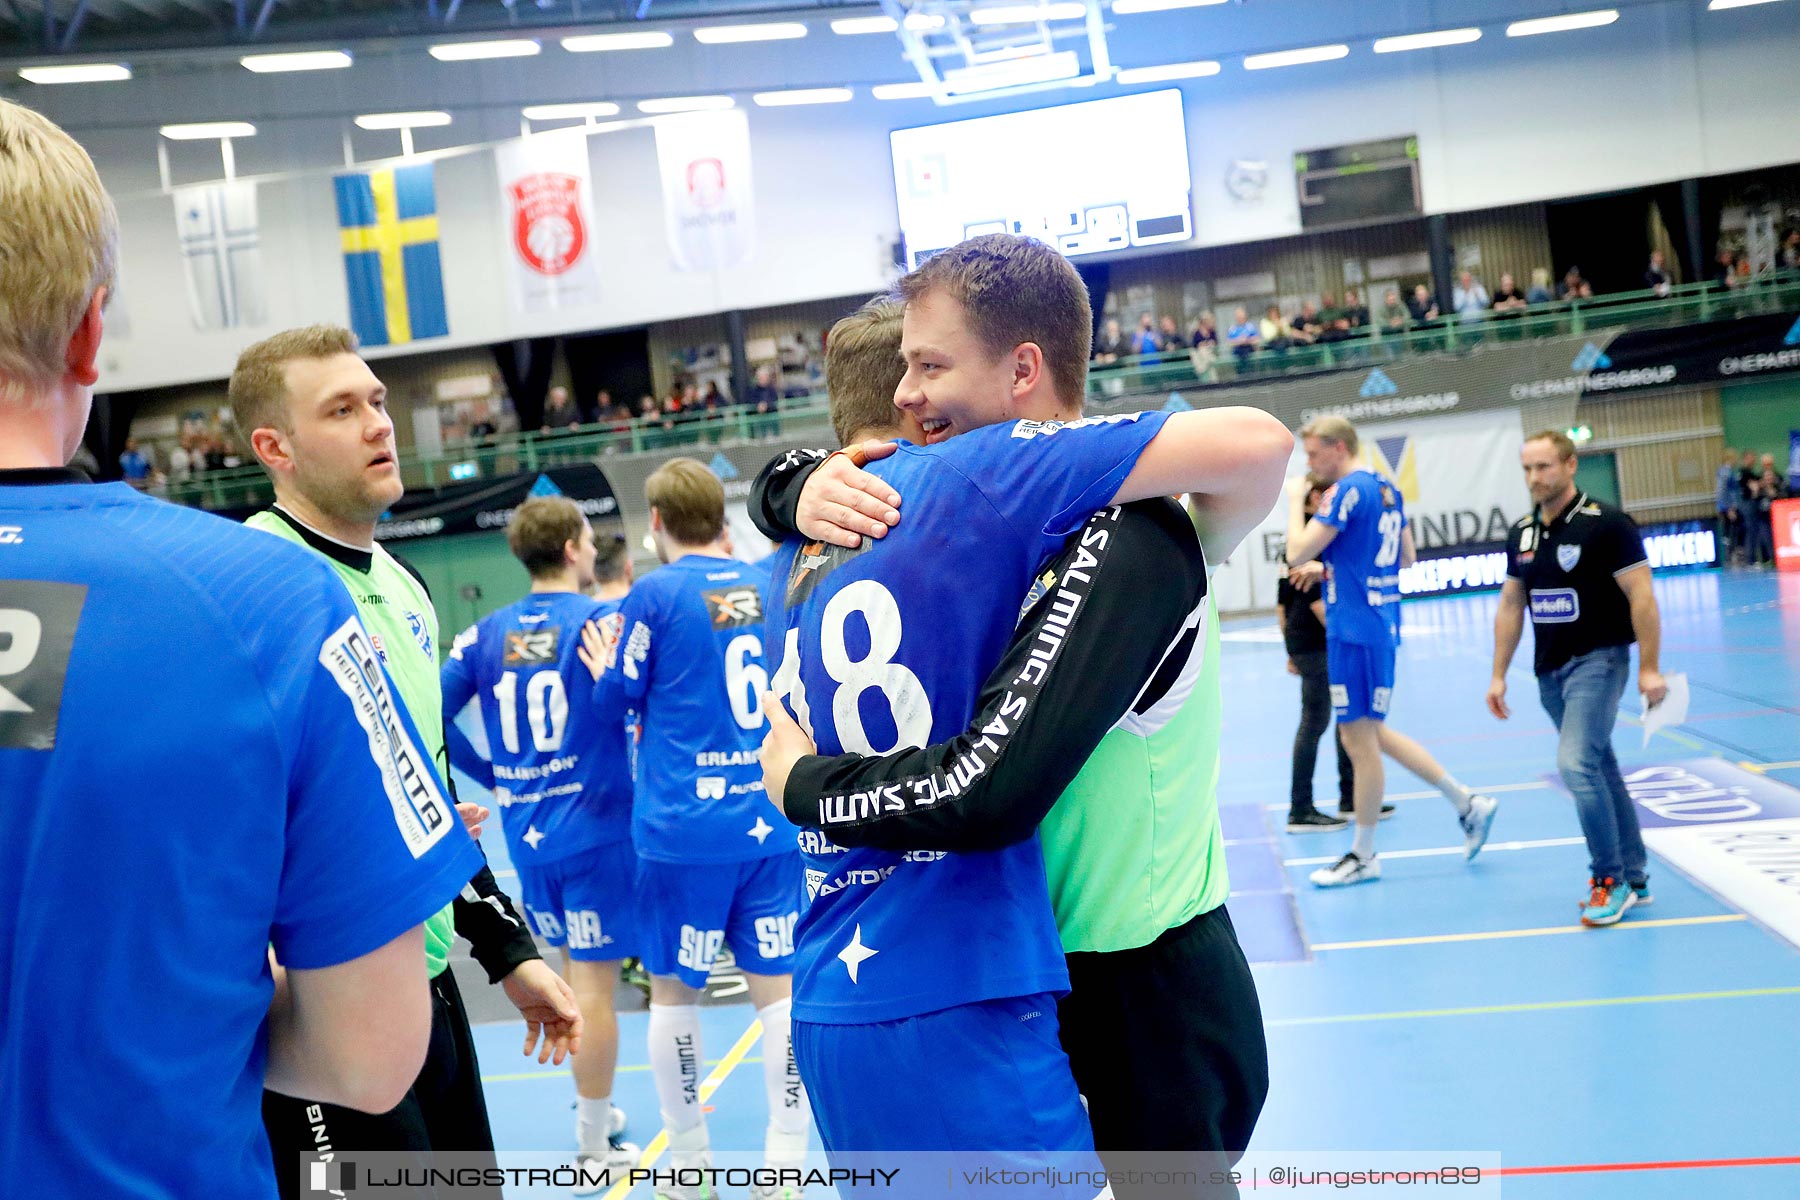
(1582, 697)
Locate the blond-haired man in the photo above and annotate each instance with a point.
(316, 417)
(316, 827)
(1360, 532)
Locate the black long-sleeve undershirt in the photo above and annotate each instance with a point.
(1107, 638)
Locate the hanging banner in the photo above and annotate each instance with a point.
(708, 208)
(547, 191)
(221, 248)
(1458, 474)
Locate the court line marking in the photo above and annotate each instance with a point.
(654, 1149)
(1760, 768)
(1485, 1010)
(1439, 939)
(1690, 1164)
(558, 1073)
(1494, 789)
(1442, 851)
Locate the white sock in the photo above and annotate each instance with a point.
(785, 1143)
(1364, 846)
(1456, 794)
(593, 1123)
(675, 1061)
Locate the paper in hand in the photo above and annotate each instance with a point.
(1672, 711)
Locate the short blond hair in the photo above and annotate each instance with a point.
(691, 500)
(1332, 428)
(540, 529)
(258, 390)
(863, 369)
(59, 244)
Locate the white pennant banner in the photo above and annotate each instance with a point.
(547, 191)
(707, 203)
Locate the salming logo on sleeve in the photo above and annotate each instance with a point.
(420, 810)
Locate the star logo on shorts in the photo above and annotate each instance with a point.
(533, 835)
(856, 954)
(761, 830)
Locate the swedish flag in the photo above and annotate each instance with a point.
(390, 234)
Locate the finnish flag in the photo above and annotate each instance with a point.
(221, 248)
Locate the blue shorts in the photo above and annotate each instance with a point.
(691, 910)
(586, 902)
(978, 1077)
(1362, 679)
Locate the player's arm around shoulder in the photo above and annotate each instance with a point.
(1229, 460)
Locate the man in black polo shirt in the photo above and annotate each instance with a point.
(1580, 567)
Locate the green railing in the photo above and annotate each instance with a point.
(1686, 305)
(241, 487)
(1689, 304)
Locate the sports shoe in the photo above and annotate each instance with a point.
(1348, 811)
(1642, 892)
(599, 1171)
(1475, 826)
(783, 1191)
(1314, 821)
(1607, 902)
(688, 1151)
(615, 1124)
(1346, 871)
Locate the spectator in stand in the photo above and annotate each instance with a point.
(1742, 275)
(1168, 335)
(715, 396)
(135, 465)
(1242, 337)
(1111, 345)
(1540, 292)
(1574, 287)
(560, 411)
(1470, 298)
(1729, 500)
(1394, 315)
(1422, 307)
(1144, 341)
(1273, 332)
(1656, 276)
(762, 396)
(1306, 327)
(603, 407)
(181, 459)
(1790, 251)
(1509, 298)
(647, 407)
(1356, 314)
(1723, 268)
(1334, 326)
(1203, 345)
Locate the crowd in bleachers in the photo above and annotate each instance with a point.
(1329, 320)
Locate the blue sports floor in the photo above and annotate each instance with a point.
(1457, 1006)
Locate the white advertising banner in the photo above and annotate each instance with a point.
(708, 207)
(1459, 476)
(547, 192)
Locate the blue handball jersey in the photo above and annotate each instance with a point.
(200, 757)
(689, 663)
(562, 779)
(1362, 595)
(887, 646)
